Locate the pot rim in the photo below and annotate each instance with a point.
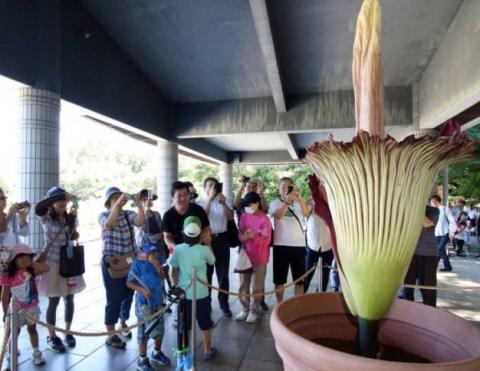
(276, 325)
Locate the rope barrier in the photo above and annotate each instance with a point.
(6, 336)
(258, 293)
(103, 333)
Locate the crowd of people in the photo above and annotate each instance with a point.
(141, 248)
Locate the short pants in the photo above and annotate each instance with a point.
(204, 310)
(143, 312)
(288, 256)
(22, 316)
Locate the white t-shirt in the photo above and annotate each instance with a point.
(318, 235)
(288, 231)
(217, 217)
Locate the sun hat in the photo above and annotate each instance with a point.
(192, 227)
(53, 195)
(20, 248)
(110, 192)
(148, 249)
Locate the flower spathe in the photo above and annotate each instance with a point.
(376, 190)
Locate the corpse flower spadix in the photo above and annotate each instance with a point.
(377, 188)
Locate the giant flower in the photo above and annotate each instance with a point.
(377, 188)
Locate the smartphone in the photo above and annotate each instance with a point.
(289, 190)
(245, 179)
(219, 188)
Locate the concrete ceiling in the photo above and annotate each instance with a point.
(208, 50)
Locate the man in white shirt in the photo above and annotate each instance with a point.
(289, 238)
(219, 212)
(444, 228)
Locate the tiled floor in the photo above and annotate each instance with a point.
(241, 346)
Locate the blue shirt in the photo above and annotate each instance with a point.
(185, 257)
(150, 277)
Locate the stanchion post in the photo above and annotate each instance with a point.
(193, 341)
(320, 274)
(14, 336)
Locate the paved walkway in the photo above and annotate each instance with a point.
(242, 346)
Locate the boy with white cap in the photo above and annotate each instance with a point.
(186, 256)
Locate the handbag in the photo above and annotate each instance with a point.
(118, 266)
(243, 264)
(72, 263)
(232, 231)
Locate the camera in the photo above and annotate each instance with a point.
(193, 196)
(245, 179)
(289, 189)
(218, 188)
(23, 205)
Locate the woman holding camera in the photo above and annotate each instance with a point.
(60, 229)
(14, 223)
(289, 242)
(119, 250)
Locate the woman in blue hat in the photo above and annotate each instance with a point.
(119, 250)
(60, 229)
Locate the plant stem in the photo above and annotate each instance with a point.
(367, 337)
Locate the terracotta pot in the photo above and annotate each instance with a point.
(451, 342)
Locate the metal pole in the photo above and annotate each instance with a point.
(14, 336)
(445, 187)
(320, 273)
(194, 318)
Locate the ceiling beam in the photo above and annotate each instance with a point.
(290, 145)
(267, 46)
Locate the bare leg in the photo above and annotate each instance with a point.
(33, 334)
(142, 349)
(279, 294)
(207, 340)
(158, 343)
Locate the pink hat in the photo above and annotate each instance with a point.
(20, 249)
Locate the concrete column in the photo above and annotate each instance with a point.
(167, 173)
(226, 177)
(39, 150)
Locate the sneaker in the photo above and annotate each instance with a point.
(160, 358)
(242, 316)
(143, 364)
(227, 313)
(445, 270)
(55, 344)
(208, 356)
(38, 359)
(115, 342)
(126, 334)
(252, 317)
(70, 340)
(264, 306)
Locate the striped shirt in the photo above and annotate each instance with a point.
(118, 241)
(50, 230)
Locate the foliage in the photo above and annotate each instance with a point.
(464, 177)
